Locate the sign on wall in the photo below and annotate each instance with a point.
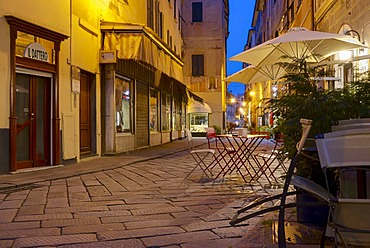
(36, 51)
(108, 56)
(75, 79)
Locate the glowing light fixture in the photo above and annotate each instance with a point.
(345, 55)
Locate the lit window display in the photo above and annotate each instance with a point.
(176, 115)
(123, 103)
(153, 114)
(166, 112)
(198, 122)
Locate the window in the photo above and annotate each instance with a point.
(166, 112)
(197, 65)
(176, 115)
(168, 37)
(153, 113)
(157, 17)
(197, 12)
(174, 8)
(179, 23)
(150, 14)
(160, 31)
(198, 122)
(24, 39)
(123, 105)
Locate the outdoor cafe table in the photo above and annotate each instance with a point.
(237, 154)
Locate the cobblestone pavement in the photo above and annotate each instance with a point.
(139, 199)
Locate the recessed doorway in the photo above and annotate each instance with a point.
(33, 111)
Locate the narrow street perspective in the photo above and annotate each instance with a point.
(143, 200)
(184, 123)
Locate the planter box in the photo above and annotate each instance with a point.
(317, 215)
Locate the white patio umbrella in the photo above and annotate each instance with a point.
(298, 43)
(252, 74)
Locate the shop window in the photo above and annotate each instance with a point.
(183, 115)
(198, 122)
(197, 62)
(197, 12)
(176, 115)
(166, 112)
(123, 105)
(153, 113)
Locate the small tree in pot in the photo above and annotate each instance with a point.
(301, 97)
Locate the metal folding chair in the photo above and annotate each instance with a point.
(200, 156)
(270, 161)
(224, 152)
(347, 153)
(290, 179)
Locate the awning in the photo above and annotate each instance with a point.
(136, 42)
(198, 107)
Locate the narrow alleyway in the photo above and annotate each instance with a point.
(141, 204)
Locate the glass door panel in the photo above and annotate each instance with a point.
(23, 117)
(40, 105)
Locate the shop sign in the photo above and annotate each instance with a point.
(107, 57)
(36, 51)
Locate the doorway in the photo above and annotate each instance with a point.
(87, 114)
(33, 111)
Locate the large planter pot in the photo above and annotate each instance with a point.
(316, 215)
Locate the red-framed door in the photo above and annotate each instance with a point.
(33, 111)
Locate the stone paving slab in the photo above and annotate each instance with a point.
(54, 240)
(94, 228)
(139, 199)
(179, 238)
(12, 234)
(127, 243)
(139, 233)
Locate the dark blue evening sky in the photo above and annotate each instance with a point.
(241, 12)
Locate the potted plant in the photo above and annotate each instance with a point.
(301, 97)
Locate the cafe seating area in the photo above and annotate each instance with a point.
(247, 158)
(344, 156)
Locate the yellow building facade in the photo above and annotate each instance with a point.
(71, 90)
(205, 33)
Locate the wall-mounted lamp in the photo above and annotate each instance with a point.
(354, 34)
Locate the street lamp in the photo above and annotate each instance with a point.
(235, 109)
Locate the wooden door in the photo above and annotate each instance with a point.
(85, 114)
(33, 107)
